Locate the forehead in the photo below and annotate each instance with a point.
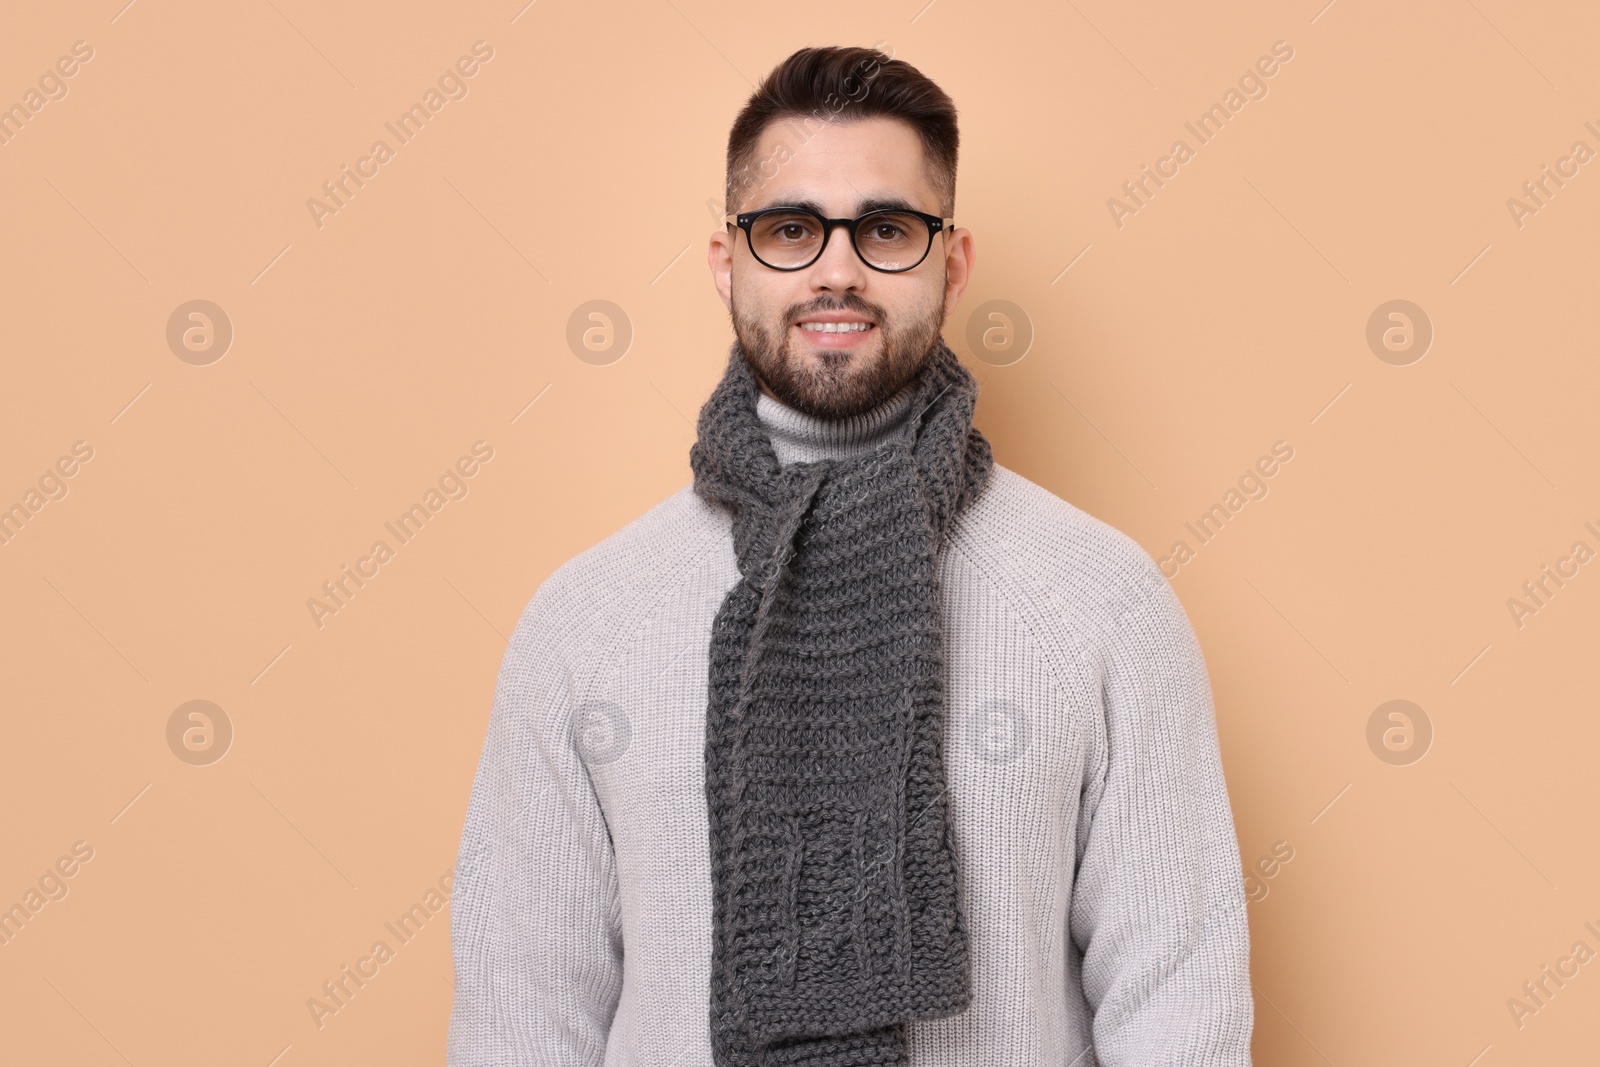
(840, 165)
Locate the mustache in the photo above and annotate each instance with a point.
(849, 302)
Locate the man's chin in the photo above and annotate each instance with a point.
(830, 364)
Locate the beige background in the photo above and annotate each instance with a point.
(368, 354)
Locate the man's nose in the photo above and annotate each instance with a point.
(838, 267)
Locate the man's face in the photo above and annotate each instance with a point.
(842, 168)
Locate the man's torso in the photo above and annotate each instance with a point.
(1030, 588)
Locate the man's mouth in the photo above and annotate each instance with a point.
(836, 327)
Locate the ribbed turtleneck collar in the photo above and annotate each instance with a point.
(798, 437)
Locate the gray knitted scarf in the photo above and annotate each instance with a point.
(836, 911)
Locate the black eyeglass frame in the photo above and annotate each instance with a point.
(745, 219)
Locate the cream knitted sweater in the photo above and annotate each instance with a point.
(1099, 870)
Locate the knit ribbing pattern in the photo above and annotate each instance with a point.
(836, 911)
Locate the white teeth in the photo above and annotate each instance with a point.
(835, 327)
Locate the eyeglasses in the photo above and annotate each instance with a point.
(793, 238)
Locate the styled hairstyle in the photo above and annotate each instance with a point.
(818, 86)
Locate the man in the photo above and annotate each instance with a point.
(861, 749)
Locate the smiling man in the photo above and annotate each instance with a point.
(861, 748)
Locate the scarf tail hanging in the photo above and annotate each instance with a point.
(836, 903)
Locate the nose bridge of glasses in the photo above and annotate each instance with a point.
(852, 252)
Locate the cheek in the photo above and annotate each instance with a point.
(764, 298)
(925, 300)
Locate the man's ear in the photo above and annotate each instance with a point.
(719, 257)
(959, 257)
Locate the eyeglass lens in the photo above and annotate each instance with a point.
(888, 240)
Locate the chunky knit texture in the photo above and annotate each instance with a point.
(1099, 873)
(835, 915)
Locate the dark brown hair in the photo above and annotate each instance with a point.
(820, 85)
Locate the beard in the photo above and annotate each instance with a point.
(833, 384)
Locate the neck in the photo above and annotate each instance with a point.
(798, 437)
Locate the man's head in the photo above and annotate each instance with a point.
(844, 131)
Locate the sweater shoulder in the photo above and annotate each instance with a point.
(599, 595)
(1053, 558)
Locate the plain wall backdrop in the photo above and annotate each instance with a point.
(1379, 258)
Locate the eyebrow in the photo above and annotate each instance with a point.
(863, 207)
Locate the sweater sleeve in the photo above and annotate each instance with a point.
(1158, 907)
(535, 927)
